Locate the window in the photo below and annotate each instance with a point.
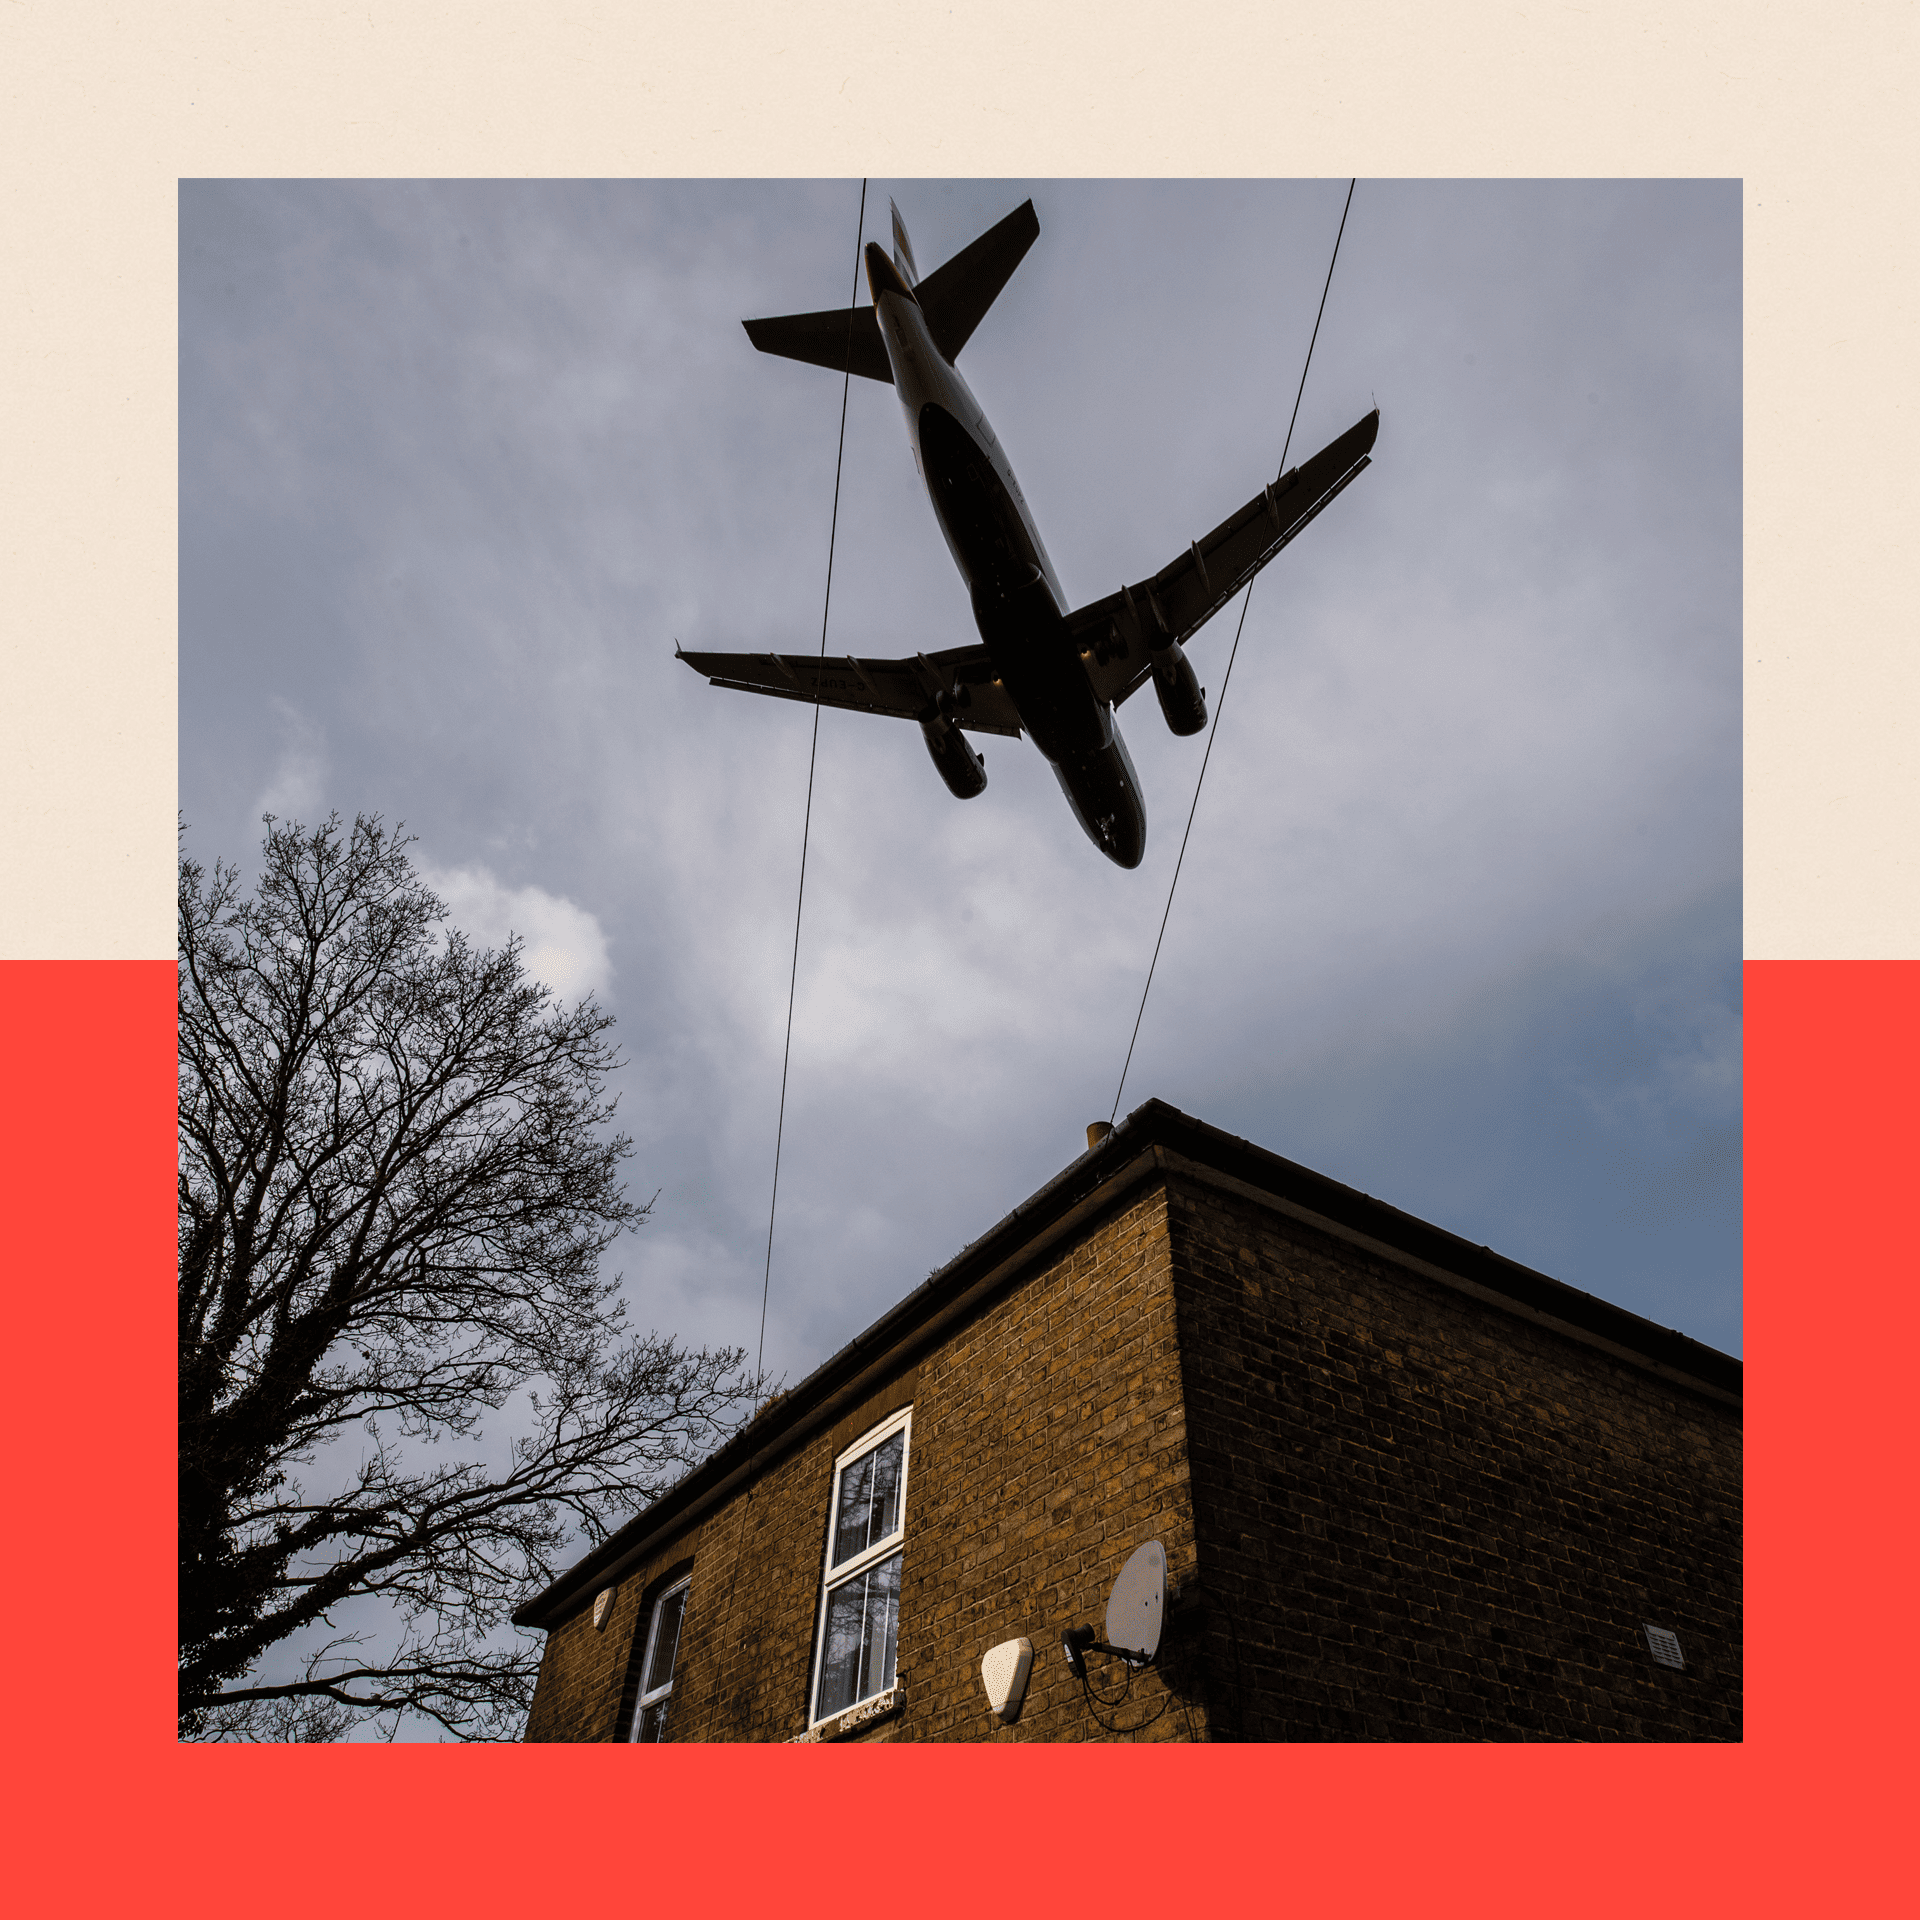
(656, 1671)
(860, 1605)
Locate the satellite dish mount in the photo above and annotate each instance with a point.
(1134, 1612)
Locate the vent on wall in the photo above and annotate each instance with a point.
(1664, 1646)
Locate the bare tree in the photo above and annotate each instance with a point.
(397, 1177)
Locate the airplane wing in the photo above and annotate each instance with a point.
(906, 689)
(1187, 592)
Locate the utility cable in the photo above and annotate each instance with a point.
(806, 827)
(1095, 1701)
(1213, 733)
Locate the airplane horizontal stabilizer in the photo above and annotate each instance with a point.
(955, 298)
(1117, 633)
(903, 689)
(845, 340)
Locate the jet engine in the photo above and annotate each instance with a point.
(1183, 702)
(960, 767)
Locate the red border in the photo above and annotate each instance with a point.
(1806, 1815)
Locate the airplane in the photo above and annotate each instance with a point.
(1038, 668)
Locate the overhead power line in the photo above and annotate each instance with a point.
(806, 828)
(1213, 733)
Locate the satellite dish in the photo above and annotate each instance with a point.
(1134, 1610)
(1137, 1602)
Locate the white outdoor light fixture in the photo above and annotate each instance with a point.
(1005, 1671)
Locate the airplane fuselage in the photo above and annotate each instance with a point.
(1018, 604)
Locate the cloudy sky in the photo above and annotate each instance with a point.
(1460, 920)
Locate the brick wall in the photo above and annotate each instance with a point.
(747, 1648)
(1390, 1510)
(1423, 1517)
(589, 1674)
(1054, 1445)
(1047, 1444)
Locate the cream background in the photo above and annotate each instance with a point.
(105, 111)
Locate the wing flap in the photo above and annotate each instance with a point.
(1116, 633)
(900, 689)
(845, 339)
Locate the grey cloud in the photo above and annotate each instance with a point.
(460, 462)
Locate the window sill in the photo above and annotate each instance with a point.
(856, 1719)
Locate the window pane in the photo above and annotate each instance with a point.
(869, 1499)
(653, 1720)
(863, 1629)
(666, 1639)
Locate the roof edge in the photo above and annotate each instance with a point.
(1154, 1139)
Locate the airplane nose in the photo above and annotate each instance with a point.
(883, 276)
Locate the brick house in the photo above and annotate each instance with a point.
(1406, 1489)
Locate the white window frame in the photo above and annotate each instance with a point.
(832, 1577)
(646, 1699)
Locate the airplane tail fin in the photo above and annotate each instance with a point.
(903, 248)
(954, 298)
